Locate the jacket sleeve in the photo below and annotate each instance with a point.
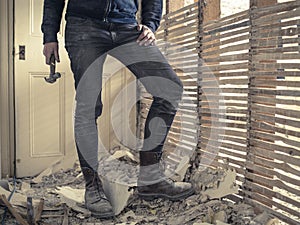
(151, 13)
(51, 19)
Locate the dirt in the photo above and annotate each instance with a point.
(193, 210)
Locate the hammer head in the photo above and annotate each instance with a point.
(52, 78)
(53, 75)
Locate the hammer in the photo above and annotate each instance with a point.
(53, 76)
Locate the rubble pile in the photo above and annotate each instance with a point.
(62, 193)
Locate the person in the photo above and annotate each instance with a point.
(94, 29)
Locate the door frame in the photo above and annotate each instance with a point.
(7, 109)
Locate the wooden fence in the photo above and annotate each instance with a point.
(241, 104)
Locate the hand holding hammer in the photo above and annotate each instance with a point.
(53, 75)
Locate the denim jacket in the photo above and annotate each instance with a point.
(115, 11)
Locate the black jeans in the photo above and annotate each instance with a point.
(88, 42)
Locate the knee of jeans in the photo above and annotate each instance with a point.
(86, 112)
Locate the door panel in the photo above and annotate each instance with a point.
(44, 111)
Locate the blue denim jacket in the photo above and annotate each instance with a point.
(116, 11)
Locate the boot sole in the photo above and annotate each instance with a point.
(108, 215)
(150, 197)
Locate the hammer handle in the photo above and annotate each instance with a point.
(52, 64)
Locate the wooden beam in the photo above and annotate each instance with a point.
(39, 212)
(262, 3)
(18, 217)
(251, 153)
(212, 10)
(173, 5)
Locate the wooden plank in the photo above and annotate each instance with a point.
(232, 48)
(13, 211)
(213, 104)
(277, 66)
(226, 148)
(264, 150)
(39, 211)
(209, 91)
(275, 92)
(235, 66)
(208, 114)
(181, 138)
(220, 139)
(224, 138)
(280, 7)
(216, 126)
(260, 82)
(277, 73)
(252, 67)
(276, 25)
(186, 20)
(264, 99)
(274, 42)
(172, 46)
(263, 207)
(274, 137)
(280, 33)
(208, 156)
(227, 58)
(231, 19)
(271, 182)
(180, 31)
(271, 19)
(276, 56)
(209, 38)
(264, 171)
(275, 110)
(264, 199)
(211, 97)
(260, 189)
(235, 133)
(277, 120)
(191, 37)
(282, 165)
(243, 37)
(175, 55)
(266, 127)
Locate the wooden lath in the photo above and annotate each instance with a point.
(241, 76)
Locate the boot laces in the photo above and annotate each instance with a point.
(99, 188)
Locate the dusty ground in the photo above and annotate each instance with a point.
(193, 210)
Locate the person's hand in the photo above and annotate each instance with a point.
(147, 37)
(51, 48)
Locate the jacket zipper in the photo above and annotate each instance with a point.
(107, 10)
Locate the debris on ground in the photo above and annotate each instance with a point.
(215, 183)
(63, 192)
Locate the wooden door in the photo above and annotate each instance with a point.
(44, 112)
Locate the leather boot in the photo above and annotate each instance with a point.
(95, 199)
(152, 183)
